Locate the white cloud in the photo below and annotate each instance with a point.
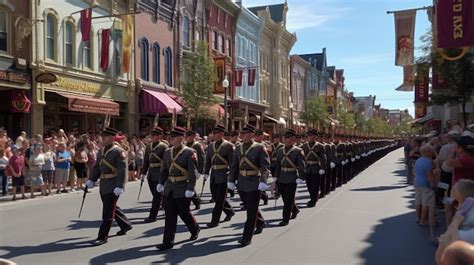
(305, 14)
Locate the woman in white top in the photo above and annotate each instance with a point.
(36, 163)
(48, 168)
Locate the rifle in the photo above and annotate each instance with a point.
(202, 189)
(141, 186)
(83, 199)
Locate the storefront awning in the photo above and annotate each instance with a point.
(282, 121)
(152, 102)
(424, 119)
(91, 105)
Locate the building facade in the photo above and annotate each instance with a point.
(221, 24)
(155, 70)
(299, 69)
(365, 106)
(246, 104)
(15, 72)
(275, 46)
(92, 77)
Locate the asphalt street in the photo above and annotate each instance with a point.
(370, 221)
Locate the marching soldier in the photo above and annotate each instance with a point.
(341, 161)
(218, 157)
(234, 138)
(329, 165)
(275, 146)
(152, 164)
(111, 169)
(290, 171)
(259, 138)
(191, 142)
(315, 158)
(250, 167)
(177, 181)
(334, 165)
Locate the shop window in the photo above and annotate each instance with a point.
(186, 31)
(51, 36)
(168, 67)
(5, 16)
(69, 42)
(156, 63)
(144, 59)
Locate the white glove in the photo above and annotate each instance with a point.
(231, 185)
(118, 191)
(206, 176)
(321, 172)
(189, 194)
(299, 181)
(357, 157)
(160, 188)
(142, 176)
(343, 163)
(347, 161)
(333, 165)
(198, 176)
(353, 159)
(90, 184)
(262, 186)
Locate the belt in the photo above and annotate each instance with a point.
(155, 164)
(313, 163)
(107, 176)
(288, 169)
(274, 159)
(177, 178)
(248, 173)
(217, 167)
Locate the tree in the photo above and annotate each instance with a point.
(360, 122)
(458, 75)
(345, 116)
(198, 78)
(315, 111)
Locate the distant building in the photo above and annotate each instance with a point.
(365, 106)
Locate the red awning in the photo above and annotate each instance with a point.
(91, 105)
(152, 102)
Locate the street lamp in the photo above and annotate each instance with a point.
(225, 84)
(291, 113)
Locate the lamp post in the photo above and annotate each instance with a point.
(291, 114)
(225, 84)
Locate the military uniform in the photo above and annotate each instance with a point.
(290, 169)
(315, 158)
(341, 161)
(110, 168)
(178, 176)
(329, 169)
(266, 145)
(200, 163)
(274, 147)
(251, 168)
(218, 158)
(152, 165)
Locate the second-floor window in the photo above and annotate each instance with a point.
(228, 47)
(186, 40)
(51, 24)
(4, 29)
(156, 62)
(69, 41)
(144, 59)
(88, 54)
(168, 67)
(215, 46)
(221, 43)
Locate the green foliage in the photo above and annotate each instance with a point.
(315, 111)
(198, 78)
(345, 115)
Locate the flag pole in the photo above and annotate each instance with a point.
(117, 15)
(413, 9)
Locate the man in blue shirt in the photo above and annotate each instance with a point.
(63, 165)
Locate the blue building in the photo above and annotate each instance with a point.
(246, 104)
(317, 76)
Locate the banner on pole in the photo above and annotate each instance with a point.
(251, 81)
(404, 37)
(238, 77)
(127, 33)
(421, 87)
(455, 23)
(408, 78)
(86, 23)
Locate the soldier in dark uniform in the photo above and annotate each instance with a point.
(341, 161)
(315, 158)
(152, 164)
(334, 165)
(192, 143)
(275, 146)
(251, 168)
(227, 135)
(290, 171)
(329, 168)
(178, 181)
(218, 158)
(111, 168)
(234, 137)
(259, 137)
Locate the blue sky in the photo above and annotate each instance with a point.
(359, 37)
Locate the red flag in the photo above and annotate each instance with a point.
(421, 88)
(86, 20)
(455, 22)
(104, 52)
(238, 77)
(251, 77)
(19, 102)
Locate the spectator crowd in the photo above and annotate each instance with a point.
(441, 169)
(56, 162)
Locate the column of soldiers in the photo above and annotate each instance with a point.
(233, 161)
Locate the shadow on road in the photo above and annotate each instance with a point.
(380, 188)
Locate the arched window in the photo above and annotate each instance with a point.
(186, 31)
(87, 53)
(156, 62)
(5, 32)
(228, 47)
(51, 36)
(69, 43)
(168, 67)
(221, 43)
(144, 59)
